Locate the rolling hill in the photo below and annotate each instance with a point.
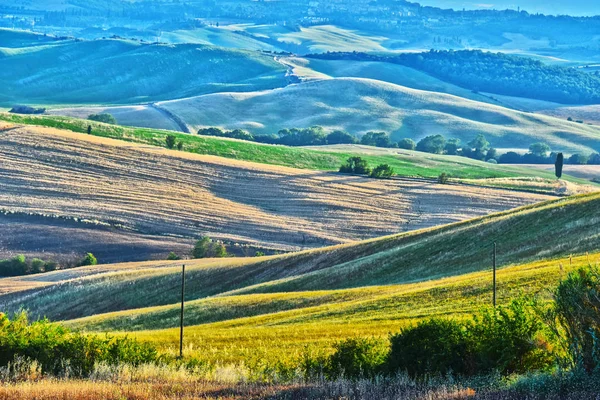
(120, 200)
(123, 72)
(245, 309)
(374, 105)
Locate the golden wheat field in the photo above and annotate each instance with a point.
(137, 198)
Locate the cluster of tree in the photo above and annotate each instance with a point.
(20, 265)
(105, 118)
(522, 337)
(171, 142)
(478, 148)
(208, 248)
(313, 136)
(358, 166)
(496, 73)
(540, 153)
(27, 110)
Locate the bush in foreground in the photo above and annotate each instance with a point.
(60, 352)
(382, 171)
(355, 165)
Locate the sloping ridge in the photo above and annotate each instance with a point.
(546, 230)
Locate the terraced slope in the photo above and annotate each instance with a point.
(101, 187)
(125, 72)
(374, 105)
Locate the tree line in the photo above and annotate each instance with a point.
(497, 73)
(19, 265)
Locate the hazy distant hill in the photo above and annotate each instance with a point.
(120, 71)
(553, 7)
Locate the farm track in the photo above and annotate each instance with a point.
(154, 193)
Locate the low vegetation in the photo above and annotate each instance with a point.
(20, 265)
(105, 118)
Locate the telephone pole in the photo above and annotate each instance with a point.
(494, 267)
(181, 317)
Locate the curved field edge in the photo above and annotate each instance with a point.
(407, 163)
(550, 229)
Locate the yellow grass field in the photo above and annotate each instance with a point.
(85, 193)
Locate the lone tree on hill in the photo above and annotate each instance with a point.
(558, 165)
(170, 141)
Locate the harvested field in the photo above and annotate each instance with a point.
(150, 199)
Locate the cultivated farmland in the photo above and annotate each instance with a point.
(105, 187)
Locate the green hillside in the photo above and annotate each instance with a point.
(368, 105)
(14, 39)
(404, 162)
(269, 309)
(120, 71)
(547, 230)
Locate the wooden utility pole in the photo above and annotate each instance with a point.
(494, 267)
(181, 317)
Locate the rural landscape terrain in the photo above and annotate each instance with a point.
(299, 199)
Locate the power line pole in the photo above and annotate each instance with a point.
(181, 317)
(494, 267)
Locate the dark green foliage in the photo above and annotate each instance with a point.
(312, 136)
(172, 256)
(432, 347)
(575, 317)
(170, 141)
(594, 159)
(452, 147)
(558, 165)
(492, 154)
(443, 178)
(14, 267)
(539, 149)
(510, 157)
(60, 352)
(106, 118)
(407, 144)
(259, 254)
(207, 248)
(355, 165)
(89, 259)
(356, 358)
(377, 139)
(578, 159)
(477, 148)
(432, 144)
(27, 110)
(202, 248)
(382, 171)
(180, 145)
(341, 137)
(507, 339)
(89, 130)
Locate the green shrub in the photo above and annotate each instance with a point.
(443, 178)
(37, 266)
(202, 248)
(59, 351)
(508, 339)
(15, 266)
(382, 171)
(407, 144)
(357, 358)
(106, 118)
(170, 141)
(180, 145)
(172, 257)
(89, 259)
(435, 347)
(575, 317)
(355, 165)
